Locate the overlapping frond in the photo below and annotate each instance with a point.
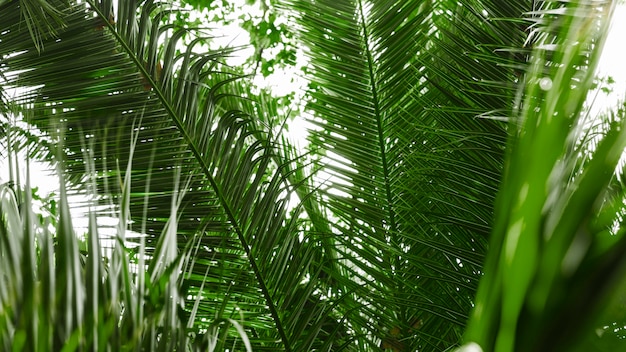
(103, 78)
(398, 91)
(377, 240)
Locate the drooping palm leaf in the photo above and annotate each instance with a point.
(104, 78)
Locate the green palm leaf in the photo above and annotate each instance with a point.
(396, 90)
(104, 78)
(375, 237)
(545, 276)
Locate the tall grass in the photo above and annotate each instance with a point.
(60, 294)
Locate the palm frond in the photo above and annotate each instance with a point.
(396, 90)
(104, 78)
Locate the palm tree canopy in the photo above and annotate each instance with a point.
(373, 238)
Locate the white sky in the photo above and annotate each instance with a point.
(613, 61)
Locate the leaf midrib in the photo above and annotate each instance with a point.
(392, 227)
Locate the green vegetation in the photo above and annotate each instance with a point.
(61, 294)
(454, 191)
